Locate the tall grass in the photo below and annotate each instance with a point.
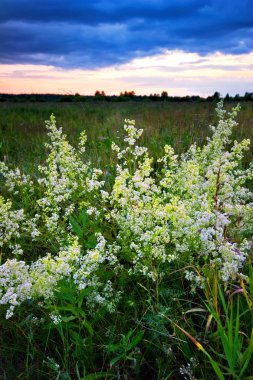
(23, 132)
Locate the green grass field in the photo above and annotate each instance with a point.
(22, 126)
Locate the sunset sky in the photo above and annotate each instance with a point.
(182, 46)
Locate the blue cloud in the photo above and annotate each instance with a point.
(92, 34)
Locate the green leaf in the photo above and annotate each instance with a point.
(68, 319)
(97, 375)
(88, 326)
(114, 347)
(91, 242)
(83, 293)
(84, 217)
(70, 308)
(138, 337)
(217, 369)
(116, 359)
(76, 227)
(247, 355)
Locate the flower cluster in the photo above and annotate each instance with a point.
(66, 180)
(194, 210)
(15, 181)
(14, 227)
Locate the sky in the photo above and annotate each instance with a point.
(185, 47)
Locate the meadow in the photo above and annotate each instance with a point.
(23, 132)
(126, 251)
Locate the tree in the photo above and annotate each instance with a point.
(100, 95)
(164, 94)
(216, 96)
(248, 96)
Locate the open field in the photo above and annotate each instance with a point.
(22, 126)
(140, 270)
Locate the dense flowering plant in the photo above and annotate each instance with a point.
(194, 211)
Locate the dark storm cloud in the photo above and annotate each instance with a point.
(88, 33)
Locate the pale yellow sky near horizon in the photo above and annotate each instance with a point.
(178, 72)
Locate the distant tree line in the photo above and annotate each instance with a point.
(122, 97)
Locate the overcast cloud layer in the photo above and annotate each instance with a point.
(93, 34)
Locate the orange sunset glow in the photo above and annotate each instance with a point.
(181, 73)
